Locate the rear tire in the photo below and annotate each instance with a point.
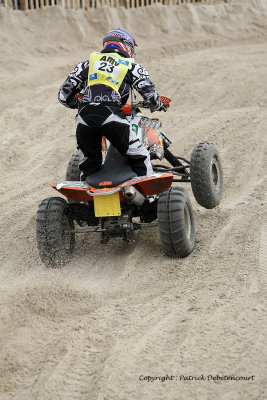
(55, 245)
(176, 222)
(206, 175)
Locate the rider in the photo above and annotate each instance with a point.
(106, 79)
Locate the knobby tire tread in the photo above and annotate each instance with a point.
(171, 222)
(73, 172)
(201, 183)
(48, 232)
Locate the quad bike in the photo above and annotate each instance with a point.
(114, 202)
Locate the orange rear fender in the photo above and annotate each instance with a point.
(81, 191)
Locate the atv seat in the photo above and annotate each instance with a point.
(115, 170)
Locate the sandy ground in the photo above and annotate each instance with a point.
(118, 312)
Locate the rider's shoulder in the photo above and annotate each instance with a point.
(139, 69)
(84, 63)
(80, 69)
(81, 65)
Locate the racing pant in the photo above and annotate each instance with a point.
(96, 120)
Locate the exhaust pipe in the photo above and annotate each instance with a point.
(132, 194)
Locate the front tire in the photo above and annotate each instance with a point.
(176, 222)
(73, 172)
(55, 243)
(206, 175)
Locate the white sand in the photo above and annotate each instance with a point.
(119, 311)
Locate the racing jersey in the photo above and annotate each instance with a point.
(136, 76)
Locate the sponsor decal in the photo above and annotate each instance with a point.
(112, 80)
(124, 62)
(72, 184)
(135, 128)
(142, 121)
(105, 183)
(93, 76)
(109, 60)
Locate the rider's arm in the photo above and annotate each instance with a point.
(76, 81)
(141, 81)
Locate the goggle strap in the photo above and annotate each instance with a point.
(118, 39)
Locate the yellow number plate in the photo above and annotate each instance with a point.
(107, 205)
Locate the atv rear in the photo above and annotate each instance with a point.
(114, 212)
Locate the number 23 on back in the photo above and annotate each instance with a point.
(106, 67)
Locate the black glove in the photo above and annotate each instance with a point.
(73, 103)
(156, 104)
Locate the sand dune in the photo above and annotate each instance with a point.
(116, 312)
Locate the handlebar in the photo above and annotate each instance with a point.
(142, 104)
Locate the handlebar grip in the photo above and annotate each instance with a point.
(165, 100)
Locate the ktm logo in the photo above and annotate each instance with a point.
(105, 183)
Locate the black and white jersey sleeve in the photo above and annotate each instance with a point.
(76, 81)
(140, 80)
